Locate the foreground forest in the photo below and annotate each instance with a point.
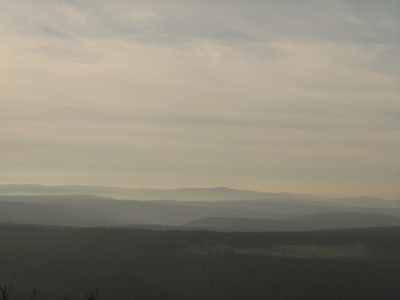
(66, 263)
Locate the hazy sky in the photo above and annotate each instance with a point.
(295, 96)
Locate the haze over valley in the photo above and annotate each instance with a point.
(212, 208)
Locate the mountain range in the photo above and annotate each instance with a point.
(210, 208)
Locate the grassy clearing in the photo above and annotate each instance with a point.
(307, 251)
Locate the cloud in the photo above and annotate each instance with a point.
(267, 94)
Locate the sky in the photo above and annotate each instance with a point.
(276, 96)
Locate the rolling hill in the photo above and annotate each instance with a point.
(83, 210)
(302, 223)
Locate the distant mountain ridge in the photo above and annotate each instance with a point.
(184, 194)
(233, 209)
(188, 194)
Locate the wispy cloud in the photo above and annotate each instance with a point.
(264, 94)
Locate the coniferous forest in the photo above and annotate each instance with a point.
(128, 263)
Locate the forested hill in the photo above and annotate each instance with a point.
(152, 264)
(301, 223)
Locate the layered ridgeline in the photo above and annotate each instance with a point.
(211, 208)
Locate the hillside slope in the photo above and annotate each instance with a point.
(302, 223)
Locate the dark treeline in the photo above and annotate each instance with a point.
(65, 263)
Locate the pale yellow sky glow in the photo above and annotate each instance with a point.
(265, 95)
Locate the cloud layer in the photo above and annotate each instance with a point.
(266, 95)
